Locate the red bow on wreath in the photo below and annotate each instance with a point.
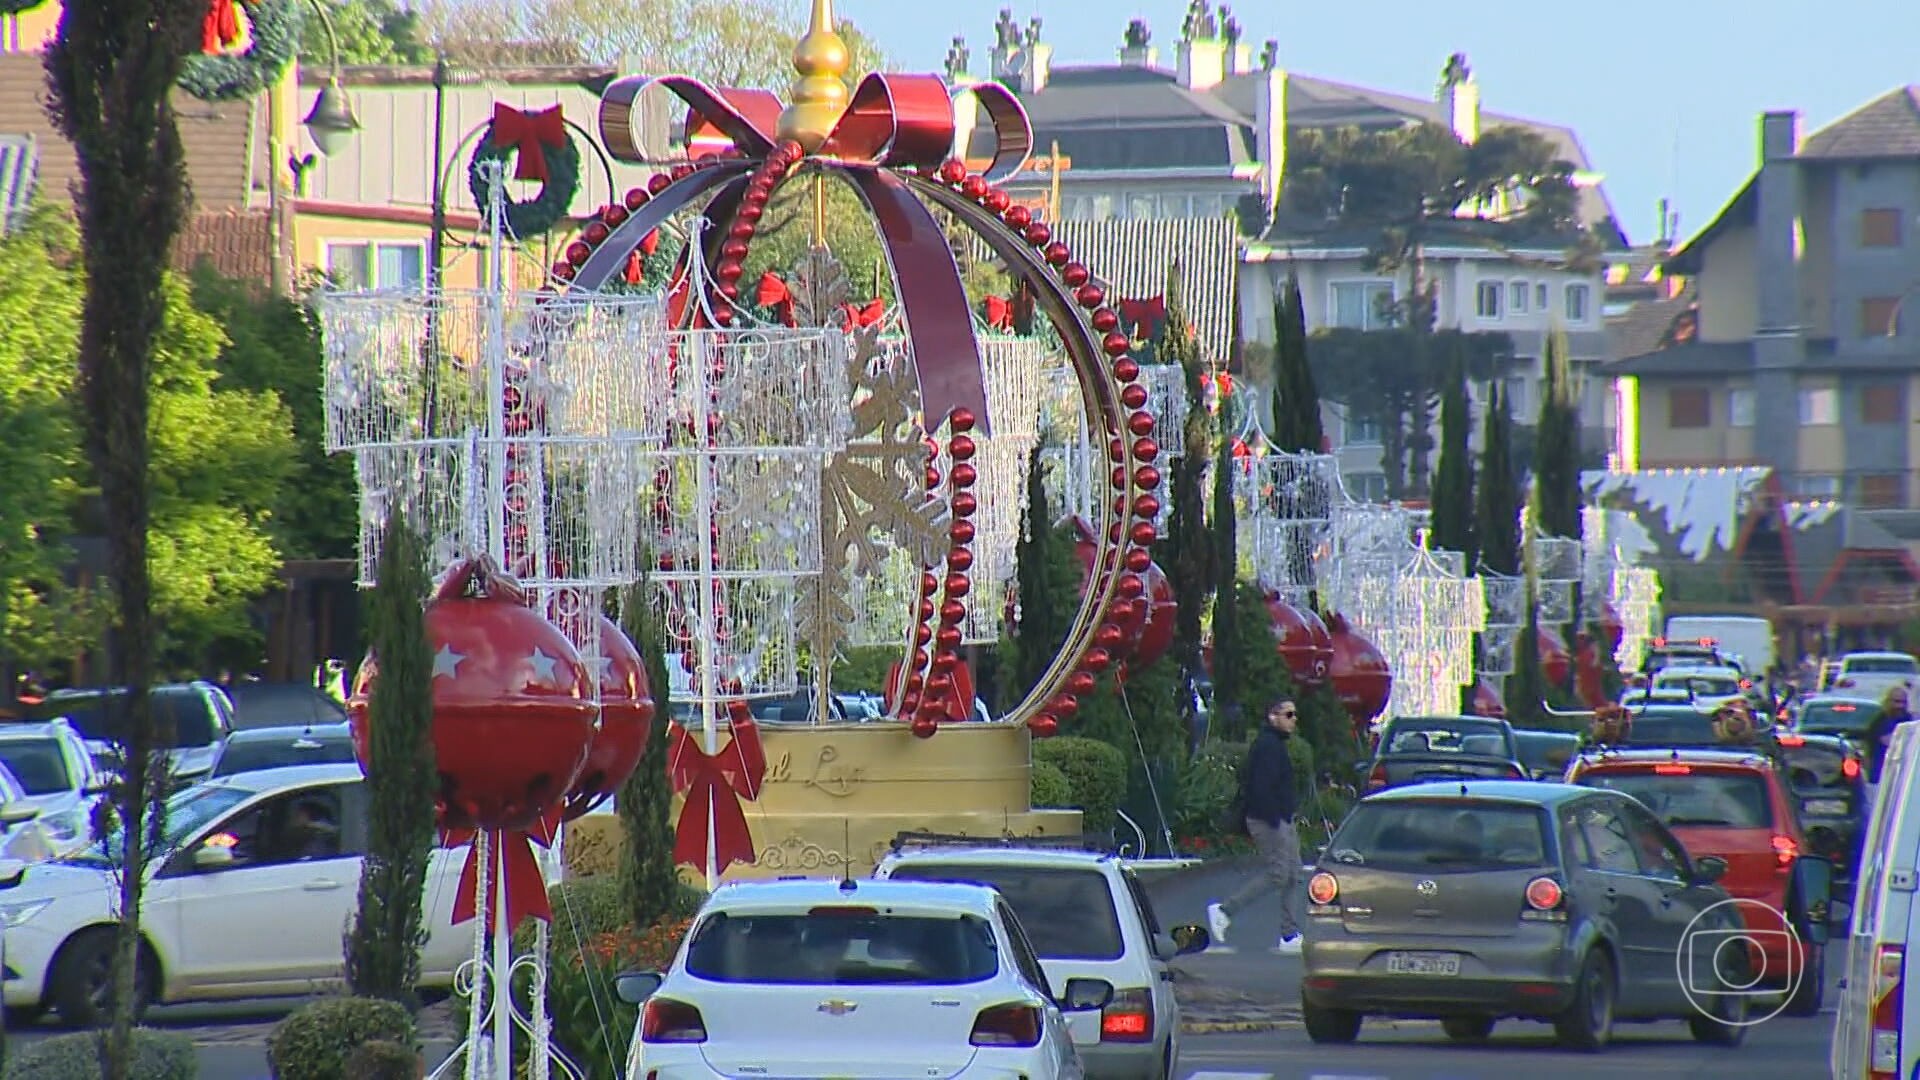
(220, 29)
(772, 292)
(999, 313)
(714, 786)
(530, 134)
(857, 316)
(509, 852)
(636, 259)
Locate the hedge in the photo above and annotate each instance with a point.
(157, 1055)
(315, 1041)
(1096, 775)
(1050, 787)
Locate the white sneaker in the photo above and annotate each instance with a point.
(1217, 923)
(1288, 946)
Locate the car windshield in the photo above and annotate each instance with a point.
(1814, 768)
(1880, 665)
(37, 764)
(1836, 717)
(1447, 736)
(102, 717)
(850, 946)
(187, 812)
(1453, 835)
(250, 754)
(1068, 914)
(1701, 685)
(1694, 797)
(1670, 727)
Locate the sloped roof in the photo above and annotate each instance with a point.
(1886, 127)
(1132, 259)
(1648, 325)
(234, 243)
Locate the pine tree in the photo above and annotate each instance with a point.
(1249, 658)
(1556, 454)
(1526, 687)
(1498, 527)
(1047, 577)
(383, 947)
(1189, 550)
(1453, 506)
(1296, 401)
(1226, 535)
(649, 880)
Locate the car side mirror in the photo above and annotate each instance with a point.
(1708, 869)
(1191, 938)
(1362, 769)
(212, 857)
(12, 872)
(13, 814)
(1086, 995)
(634, 987)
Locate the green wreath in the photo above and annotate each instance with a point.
(537, 215)
(275, 28)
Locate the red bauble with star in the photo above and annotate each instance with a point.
(626, 720)
(513, 703)
(1360, 677)
(1302, 640)
(1556, 660)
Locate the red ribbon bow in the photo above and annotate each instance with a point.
(999, 313)
(854, 316)
(530, 134)
(220, 29)
(509, 854)
(636, 259)
(772, 292)
(714, 786)
(1143, 317)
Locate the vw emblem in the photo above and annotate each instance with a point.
(837, 1008)
(1427, 888)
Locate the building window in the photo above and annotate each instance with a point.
(1372, 487)
(1360, 430)
(1880, 228)
(1820, 406)
(1540, 297)
(1518, 403)
(1176, 206)
(1880, 403)
(1740, 407)
(1362, 305)
(1579, 299)
(1486, 300)
(1141, 206)
(1517, 296)
(1102, 207)
(1209, 206)
(1877, 314)
(1689, 407)
(1883, 491)
(370, 265)
(1816, 486)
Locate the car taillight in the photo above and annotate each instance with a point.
(1007, 1025)
(1790, 740)
(1785, 850)
(1127, 1018)
(1850, 768)
(1324, 888)
(665, 1020)
(1544, 894)
(1883, 1045)
(1378, 777)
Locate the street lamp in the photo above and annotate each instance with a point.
(331, 122)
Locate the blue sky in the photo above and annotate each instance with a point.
(1665, 94)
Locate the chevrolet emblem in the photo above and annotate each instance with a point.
(838, 1008)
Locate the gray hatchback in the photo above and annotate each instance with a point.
(1472, 902)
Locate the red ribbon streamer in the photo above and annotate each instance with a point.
(220, 29)
(530, 134)
(714, 786)
(526, 886)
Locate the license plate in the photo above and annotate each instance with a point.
(1826, 807)
(1421, 963)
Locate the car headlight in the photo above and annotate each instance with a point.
(19, 912)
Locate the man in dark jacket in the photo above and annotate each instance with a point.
(1271, 800)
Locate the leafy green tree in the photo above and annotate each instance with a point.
(1191, 556)
(368, 32)
(1453, 482)
(649, 879)
(1497, 533)
(388, 932)
(1296, 399)
(1556, 456)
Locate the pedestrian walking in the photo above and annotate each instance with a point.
(1271, 801)
(1894, 711)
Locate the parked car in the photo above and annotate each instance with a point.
(1087, 917)
(1544, 754)
(1876, 1030)
(199, 711)
(797, 978)
(1670, 726)
(1736, 805)
(1709, 687)
(1832, 714)
(1471, 902)
(1828, 779)
(277, 704)
(279, 747)
(1414, 749)
(1664, 695)
(1871, 674)
(248, 897)
(57, 779)
(1664, 652)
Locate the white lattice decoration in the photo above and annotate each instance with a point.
(1077, 464)
(1506, 600)
(1167, 402)
(1286, 503)
(1422, 615)
(1635, 594)
(1368, 542)
(1497, 645)
(1017, 390)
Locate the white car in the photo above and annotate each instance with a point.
(57, 779)
(246, 899)
(1872, 674)
(872, 978)
(1876, 1030)
(1711, 687)
(1087, 917)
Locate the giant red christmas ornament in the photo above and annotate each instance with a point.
(512, 703)
(1358, 672)
(1486, 702)
(626, 719)
(1556, 661)
(1163, 611)
(1302, 641)
(1589, 679)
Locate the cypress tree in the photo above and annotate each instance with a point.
(1556, 455)
(1498, 531)
(1259, 677)
(383, 946)
(1047, 581)
(1226, 535)
(649, 881)
(1453, 506)
(1296, 400)
(1190, 552)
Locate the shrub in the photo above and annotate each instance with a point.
(1096, 776)
(1050, 787)
(591, 1025)
(313, 1043)
(1207, 782)
(157, 1055)
(383, 1060)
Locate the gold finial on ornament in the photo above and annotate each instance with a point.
(818, 96)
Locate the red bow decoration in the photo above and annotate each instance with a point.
(714, 787)
(529, 134)
(220, 29)
(772, 292)
(999, 313)
(509, 852)
(637, 258)
(869, 314)
(891, 122)
(1143, 317)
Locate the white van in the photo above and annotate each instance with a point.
(1742, 637)
(1876, 1031)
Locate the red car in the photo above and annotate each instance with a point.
(1736, 805)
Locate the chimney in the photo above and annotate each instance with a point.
(1665, 224)
(1270, 124)
(1006, 63)
(958, 60)
(1136, 49)
(966, 107)
(1036, 60)
(1459, 98)
(1238, 57)
(1201, 53)
(1777, 225)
